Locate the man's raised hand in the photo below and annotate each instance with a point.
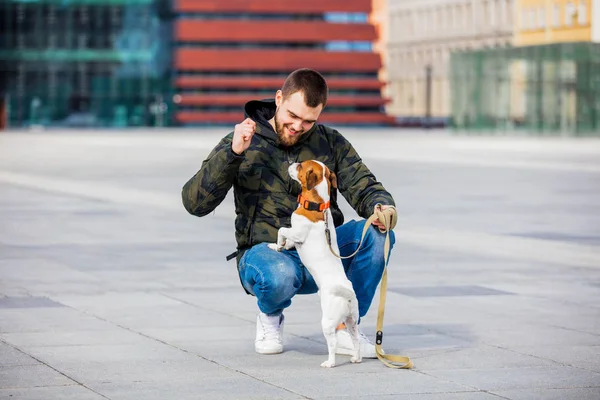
(242, 135)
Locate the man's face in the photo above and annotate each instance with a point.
(293, 117)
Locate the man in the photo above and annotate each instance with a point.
(254, 159)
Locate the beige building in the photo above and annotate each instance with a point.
(422, 33)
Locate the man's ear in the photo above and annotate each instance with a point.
(278, 98)
(311, 179)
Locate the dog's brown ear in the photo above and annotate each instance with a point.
(311, 179)
(333, 179)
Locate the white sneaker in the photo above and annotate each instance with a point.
(269, 334)
(345, 346)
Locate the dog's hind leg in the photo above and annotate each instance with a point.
(329, 333)
(353, 331)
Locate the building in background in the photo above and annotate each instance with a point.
(549, 83)
(557, 21)
(229, 52)
(378, 18)
(85, 62)
(180, 62)
(422, 34)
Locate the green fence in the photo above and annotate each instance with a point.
(85, 62)
(544, 90)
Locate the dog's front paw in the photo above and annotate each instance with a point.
(356, 359)
(273, 246)
(328, 364)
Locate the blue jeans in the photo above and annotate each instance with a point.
(275, 277)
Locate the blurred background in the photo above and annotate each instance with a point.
(480, 66)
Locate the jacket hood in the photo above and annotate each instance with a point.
(261, 112)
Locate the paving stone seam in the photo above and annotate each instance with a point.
(439, 332)
(77, 383)
(233, 316)
(196, 355)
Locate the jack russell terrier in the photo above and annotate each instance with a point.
(313, 234)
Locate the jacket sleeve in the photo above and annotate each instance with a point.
(356, 182)
(207, 189)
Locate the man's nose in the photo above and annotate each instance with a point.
(297, 125)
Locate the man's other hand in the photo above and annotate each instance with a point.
(390, 214)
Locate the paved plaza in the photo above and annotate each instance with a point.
(110, 290)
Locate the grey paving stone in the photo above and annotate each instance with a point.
(28, 302)
(177, 316)
(71, 392)
(215, 334)
(334, 381)
(195, 387)
(212, 349)
(142, 350)
(580, 356)
(27, 376)
(445, 291)
(551, 394)
(520, 378)
(9, 290)
(152, 370)
(9, 356)
(38, 270)
(72, 338)
(112, 300)
(466, 395)
(239, 303)
(48, 320)
(533, 335)
(484, 357)
(558, 236)
(164, 313)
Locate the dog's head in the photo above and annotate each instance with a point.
(315, 178)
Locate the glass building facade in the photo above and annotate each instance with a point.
(551, 89)
(85, 62)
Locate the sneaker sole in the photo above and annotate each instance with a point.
(268, 351)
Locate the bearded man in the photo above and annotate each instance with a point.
(254, 160)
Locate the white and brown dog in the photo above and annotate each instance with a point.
(311, 233)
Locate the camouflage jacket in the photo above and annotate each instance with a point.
(264, 194)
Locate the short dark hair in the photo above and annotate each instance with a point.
(310, 83)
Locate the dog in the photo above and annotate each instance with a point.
(313, 235)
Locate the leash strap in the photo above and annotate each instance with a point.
(368, 223)
(389, 360)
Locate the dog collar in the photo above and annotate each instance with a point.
(311, 205)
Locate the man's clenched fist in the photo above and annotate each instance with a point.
(242, 135)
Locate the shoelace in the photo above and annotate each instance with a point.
(270, 331)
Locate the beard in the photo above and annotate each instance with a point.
(286, 140)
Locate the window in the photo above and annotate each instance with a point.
(347, 18)
(569, 11)
(556, 15)
(341, 45)
(582, 13)
(541, 18)
(524, 19)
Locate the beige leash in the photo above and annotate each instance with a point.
(388, 220)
